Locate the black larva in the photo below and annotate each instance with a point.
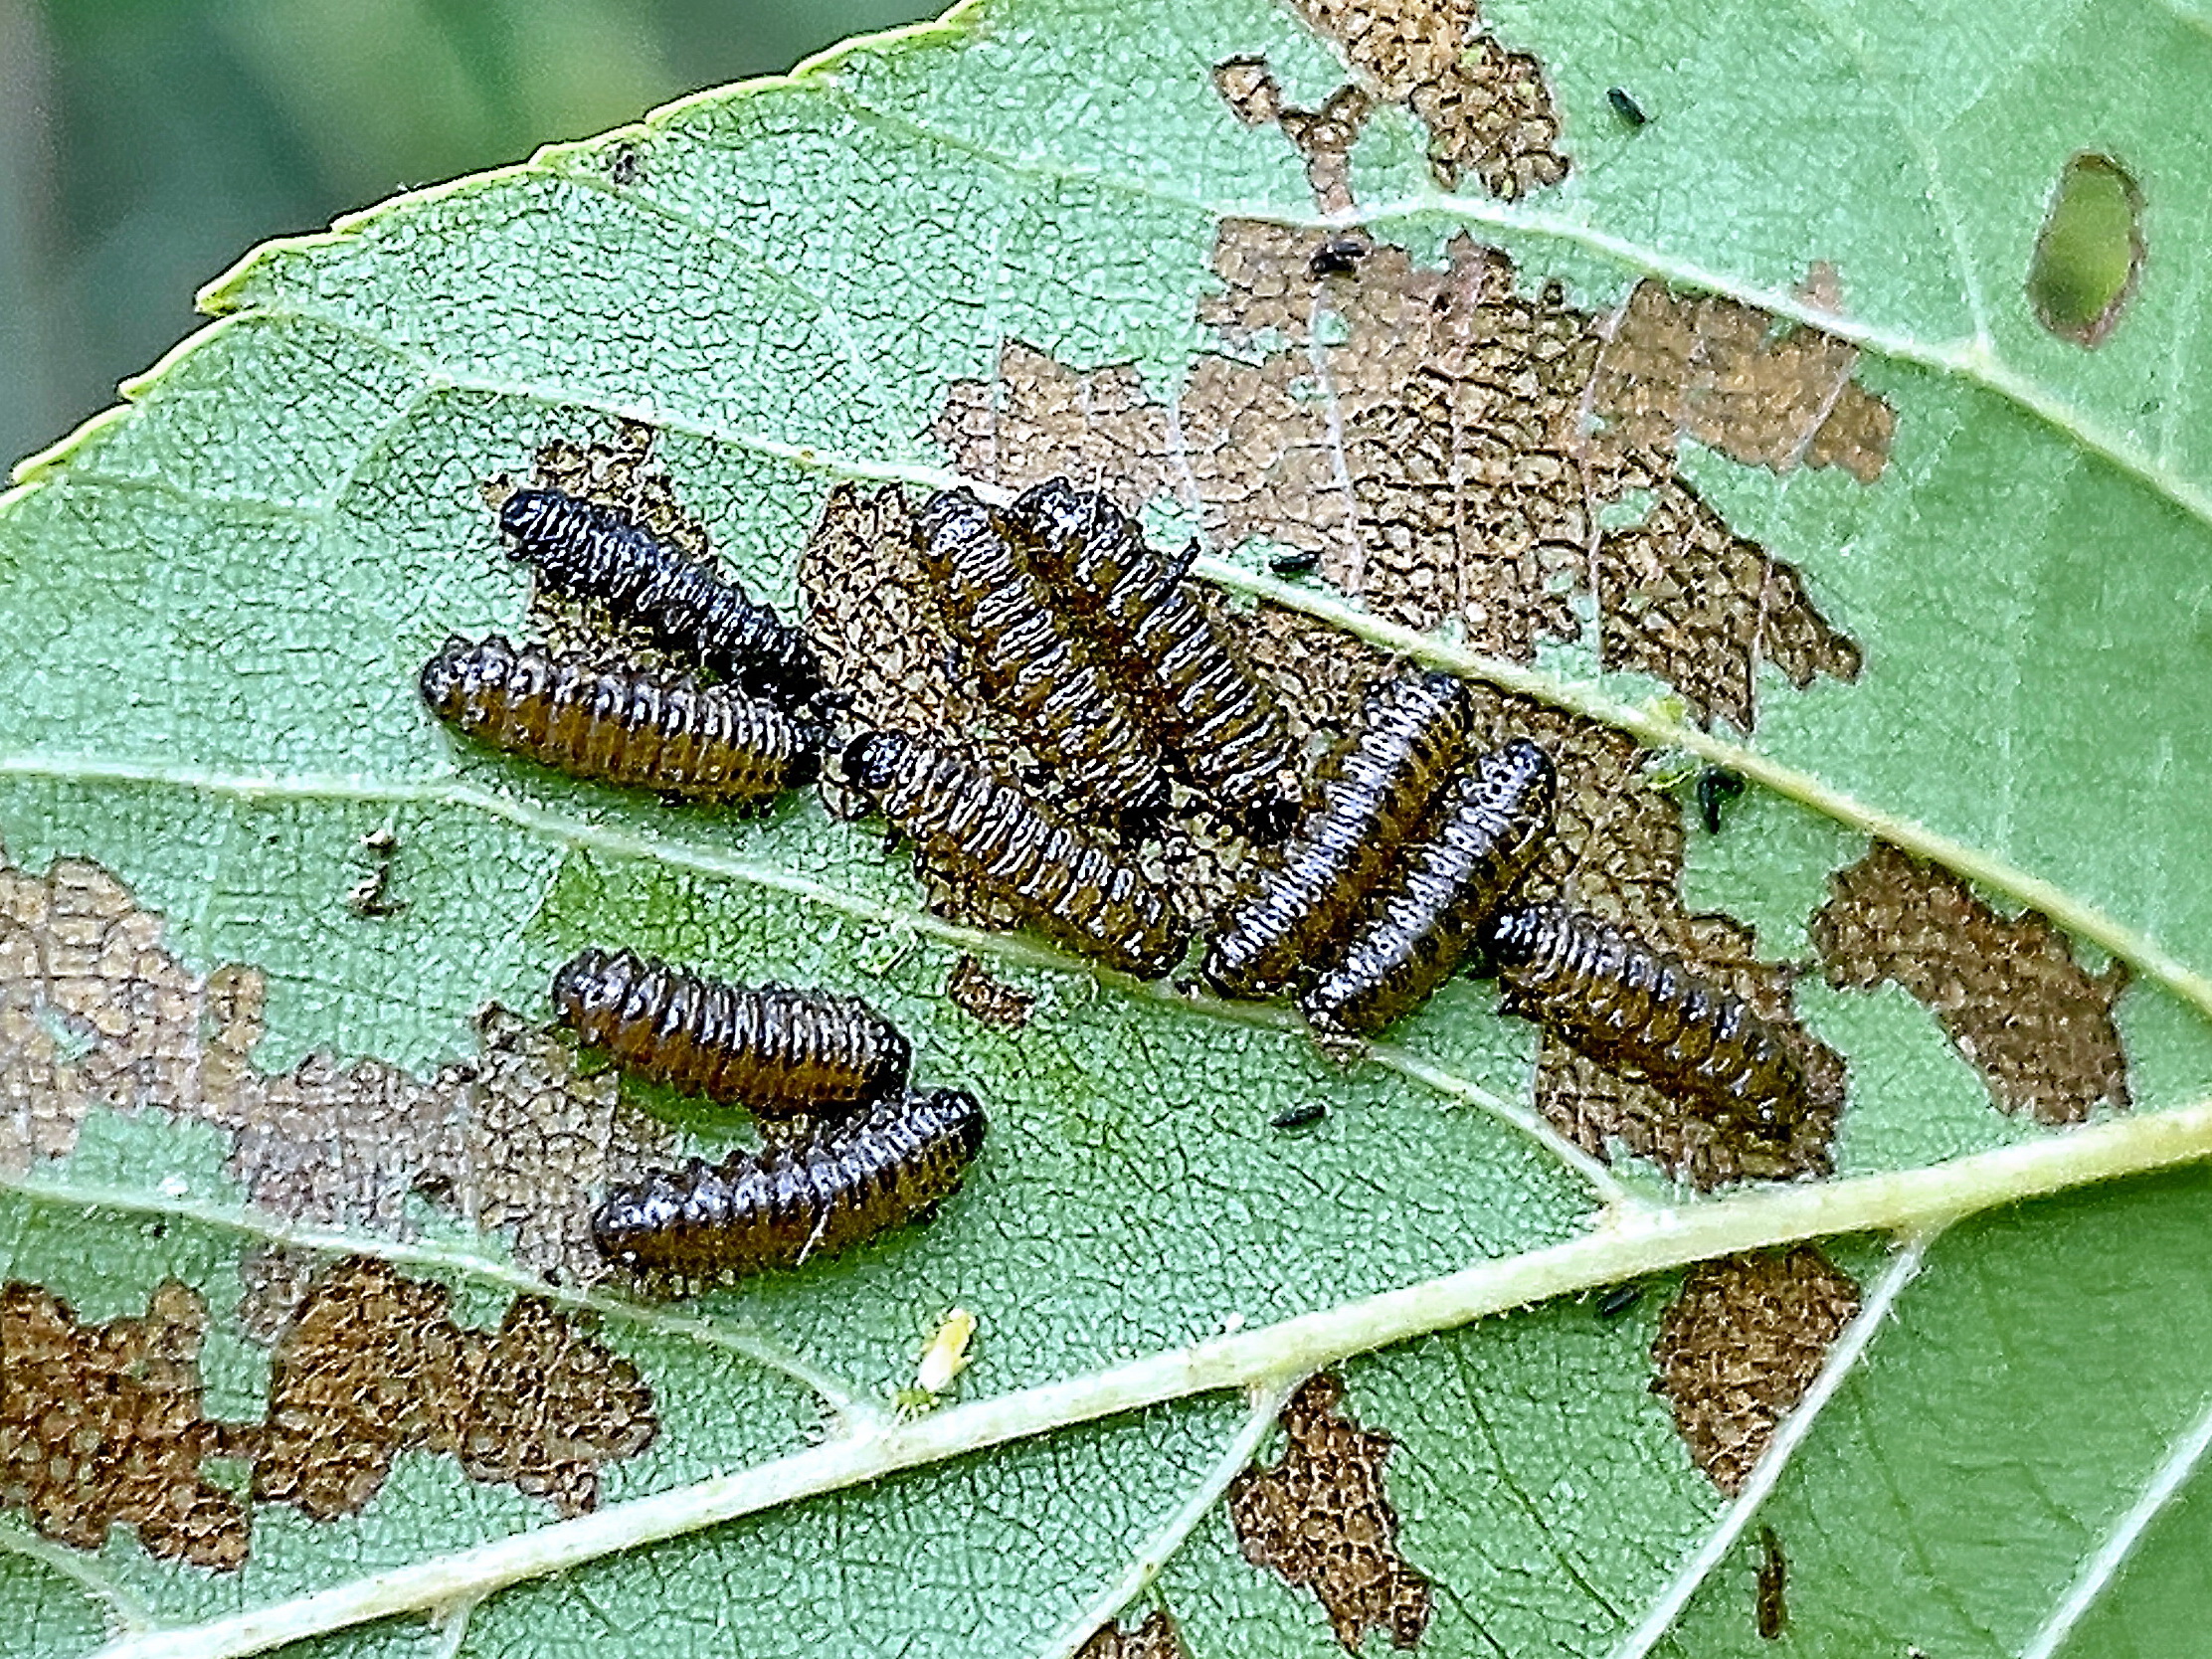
(586, 550)
(967, 824)
(1638, 1010)
(779, 1207)
(628, 726)
(1220, 728)
(1369, 792)
(781, 1052)
(1479, 836)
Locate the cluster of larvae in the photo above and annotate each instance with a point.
(852, 1151)
(1387, 868)
(737, 731)
(1403, 871)
(1097, 654)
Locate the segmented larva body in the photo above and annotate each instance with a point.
(813, 1197)
(967, 824)
(783, 1054)
(1031, 662)
(1478, 840)
(1633, 1007)
(1220, 726)
(587, 550)
(1095, 555)
(1368, 794)
(627, 726)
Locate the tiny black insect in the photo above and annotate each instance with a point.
(625, 165)
(1716, 786)
(1619, 1299)
(1478, 838)
(1626, 107)
(1220, 728)
(822, 1195)
(782, 1053)
(1635, 1009)
(586, 550)
(1774, 1582)
(1368, 794)
(1340, 255)
(1299, 1116)
(627, 726)
(1031, 663)
(1295, 564)
(967, 824)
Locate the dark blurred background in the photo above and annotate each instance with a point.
(144, 144)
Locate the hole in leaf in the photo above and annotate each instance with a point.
(2091, 252)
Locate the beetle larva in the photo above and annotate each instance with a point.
(585, 550)
(1633, 1007)
(967, 824)
(627, 726)
(1220, 726)
(782, 1053)
(1367, 797)
(816, 1197)
(1485, 827)
(1031, 662)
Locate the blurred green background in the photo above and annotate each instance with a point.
(144, 144)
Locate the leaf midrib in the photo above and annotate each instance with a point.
(1629, 1242)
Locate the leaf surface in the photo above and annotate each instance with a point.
(1960, 622)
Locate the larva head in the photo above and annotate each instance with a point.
(871, 762)
(591, 983)
(1527, 760)
(631, 1216)
(806, 766)
(1519, 781)
(950, 513)
(442, 675)
(1509, 938)
(525, 513)
(1270, 818)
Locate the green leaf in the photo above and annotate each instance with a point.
(244, 1121)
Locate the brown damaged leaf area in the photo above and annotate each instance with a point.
(986, 999)
(374, 1364)
(1489, 114)
(1436, 436)
(1320, 1520)
(103, 1423)
(1728, 375)
(2008, 993)
(1323, 137)
(95, 1012)
(1740, 1345)
(1156, 1638)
